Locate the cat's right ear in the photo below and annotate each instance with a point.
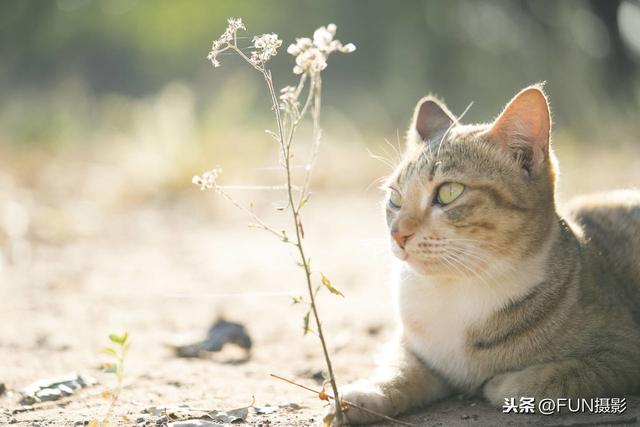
(431, 119)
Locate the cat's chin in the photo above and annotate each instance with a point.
(427, 269)
(399, 253)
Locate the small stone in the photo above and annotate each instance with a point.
(140, 420)
(13, 421)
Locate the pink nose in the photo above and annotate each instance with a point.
(401, 237)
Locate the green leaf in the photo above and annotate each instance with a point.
(327, 284)
(306, 323)
(119, 339)
(110, 351)
(304, 200)
(297, 299)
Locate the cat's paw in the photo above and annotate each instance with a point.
(504, 386)
(365, 395)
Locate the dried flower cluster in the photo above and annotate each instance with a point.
(289, 96)
(225, 41)
(311, 55)
(208, 179)
(266, 46)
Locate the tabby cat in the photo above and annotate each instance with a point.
(497, 293)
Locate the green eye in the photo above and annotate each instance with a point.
(449, 191)
(395, 199)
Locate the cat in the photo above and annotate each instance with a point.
(496, 293)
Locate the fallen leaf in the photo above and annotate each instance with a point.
(232, 416)
(194, 423)
(220, 333)
(185, 412)
(265, 410)
(54, 388)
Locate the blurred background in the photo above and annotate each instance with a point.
(108, 107)
(131, 76)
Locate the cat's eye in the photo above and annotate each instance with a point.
(395, 199)
(449, 191)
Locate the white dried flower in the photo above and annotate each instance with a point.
(322, 38)
(222, 43)
(312, 60)
(288, 97)
(311, 55)
(236, 24)
(348, 48)
(266, 46)
(208, 179)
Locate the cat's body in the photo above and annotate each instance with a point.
(496, 293)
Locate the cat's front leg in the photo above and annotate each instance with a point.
(568, 378)
(400, 383)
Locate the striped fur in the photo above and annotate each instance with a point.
(498, 293)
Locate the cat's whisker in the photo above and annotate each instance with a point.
(382, 159)
(480, 244)
(466, 266)
(476, 255)
(378, 182)
(395, 149)
(391, 156)
(444, 257)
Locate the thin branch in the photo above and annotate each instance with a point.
(317, 132)
(295, 214)
(259, 222)
(355, 405)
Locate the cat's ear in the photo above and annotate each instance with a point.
(431, 118)
(524, 127)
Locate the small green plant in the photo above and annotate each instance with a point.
(289, 109)
(117, 354)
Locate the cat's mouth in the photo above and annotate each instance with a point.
(434, 257)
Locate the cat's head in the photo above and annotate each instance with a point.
(467, 199)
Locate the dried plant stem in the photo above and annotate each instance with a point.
(258, 222)
(311, 56)
(295, 213)
(316, 85)
(355, 405)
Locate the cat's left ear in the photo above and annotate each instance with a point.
(431, 118)
(524, 127)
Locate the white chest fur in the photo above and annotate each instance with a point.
(435, 317)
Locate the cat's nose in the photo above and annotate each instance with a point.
(401, 236)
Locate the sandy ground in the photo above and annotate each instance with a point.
(164, 269)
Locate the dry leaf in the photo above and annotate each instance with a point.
(327, 284)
